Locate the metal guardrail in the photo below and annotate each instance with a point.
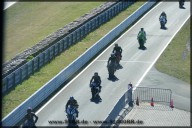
(22, 73)
(33, 101)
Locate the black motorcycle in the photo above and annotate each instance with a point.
(95, 89)
(181, 3)
(118, 56)
(72, 114)
(111, 69)
(163, 21)
(29, 124)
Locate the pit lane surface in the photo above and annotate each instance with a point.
(136, 63)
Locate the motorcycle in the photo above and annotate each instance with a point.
(163, 21)
(29, 124)
(72, 115)
(111, 69)
(181, 3)
(118, 56)
(95, 89)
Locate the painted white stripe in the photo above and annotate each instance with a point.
(127, 61)
(8, 4)
(95, 60)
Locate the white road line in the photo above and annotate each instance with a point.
(127, 61)
(8, 4)
(95, 60)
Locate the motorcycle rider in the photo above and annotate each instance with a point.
(163, 18)
(72, 111)
(181, 3)
(117, 50)
(111, 64)
(96, 79)
(72, 102)
(29, 118)
(141, 37)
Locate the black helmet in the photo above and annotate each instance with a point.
(96, 73)
(71, 98)
(116, 45)
(29, 109)
(163, 13)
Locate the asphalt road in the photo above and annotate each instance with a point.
(136, 63)
(180, 89)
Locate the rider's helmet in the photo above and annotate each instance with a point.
(29, 109)
(142, 29)
(163, 13)
(96, 74)
(116, 45)
(71, 98)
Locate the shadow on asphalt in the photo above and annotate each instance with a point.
(113, 79)
(97, 100)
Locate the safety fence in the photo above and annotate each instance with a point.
(145, 94)
(46, 90)
(23, 72)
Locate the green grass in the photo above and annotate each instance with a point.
(171, 61)
(27, 23)
(28, 87)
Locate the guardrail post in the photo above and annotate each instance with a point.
(53, 51)
(38, 61)
(74, 37)
(130, 99)
(82, 31)
(7, 80)
(14, 79)
(32, 63)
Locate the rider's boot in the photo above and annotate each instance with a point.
(92, 98)
(109, 75)
(99, 88)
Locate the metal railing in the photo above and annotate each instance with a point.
(145, 94)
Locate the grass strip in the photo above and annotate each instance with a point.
(27, 23)
(175, 60)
